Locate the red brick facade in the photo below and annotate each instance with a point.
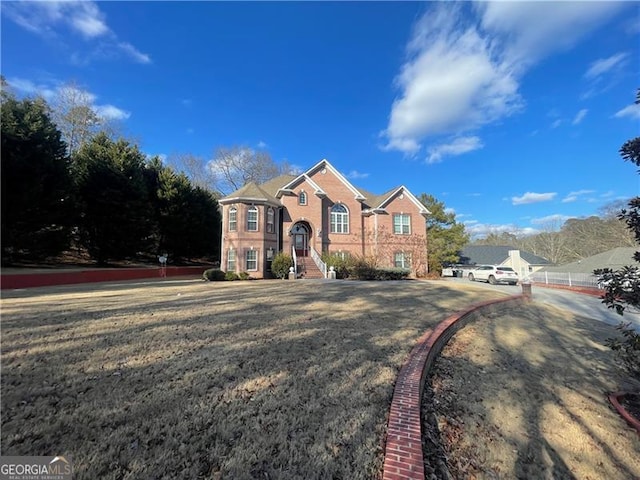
(321, 211)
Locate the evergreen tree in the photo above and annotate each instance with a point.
(36, 183)
(445, 237)
(117, 219)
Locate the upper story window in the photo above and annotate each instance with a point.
(401, 223)
(271, 227)
(302, 198)
(233, 219)
(339, 219)
(252, 219)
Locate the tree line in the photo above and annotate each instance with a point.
(87, 189)
(575, 239)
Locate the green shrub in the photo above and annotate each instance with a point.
(213, 275)
(392, 273)
(627, 349)
(363, 268)
(366, 269)
(244, 276)
(231, 276)
(281, 264)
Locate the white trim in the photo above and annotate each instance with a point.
(259, 201)
(246, 259)
(252, 208)
(402, 188)
(319, 191)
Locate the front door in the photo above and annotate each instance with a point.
(300, 239)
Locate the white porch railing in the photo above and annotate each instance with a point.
(295, 260)
(318, 261)
(564, 278)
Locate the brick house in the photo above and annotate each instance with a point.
(320, 211)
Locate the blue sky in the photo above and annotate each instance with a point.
(511, 113)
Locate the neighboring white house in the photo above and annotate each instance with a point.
(524, 263)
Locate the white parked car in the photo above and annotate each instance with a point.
(493, 274)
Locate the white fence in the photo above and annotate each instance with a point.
(561, 278)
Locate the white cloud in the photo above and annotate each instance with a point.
(83, 17)
(459, 76)
(70, 93)
(262, 144)
(451, 82)
(354, 174)
(573, 196)
(458, 146)
(580, 116)
(530, 31)
(111, 113)
(30, 88)
(531, 197)
(632, 111)
(48, 18)
(87, 19)
(480, 230)
(133, 53)
(604, 65)
(557, 123)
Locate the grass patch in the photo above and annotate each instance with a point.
(186, 379)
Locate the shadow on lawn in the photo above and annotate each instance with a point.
(189, 380)
(543, 372)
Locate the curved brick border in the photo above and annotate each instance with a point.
(403, 458)
(58, 277)
(614, 398)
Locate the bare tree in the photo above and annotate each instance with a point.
(197, 169)
(236, 166)
(73, 114)
(77, 117)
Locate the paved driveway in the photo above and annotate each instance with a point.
(583, 305)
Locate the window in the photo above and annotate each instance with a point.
(402, 260)
(233, 219)
(252, 260)
(302, 198)
(252, 219)
(270, 220)
(401, 223)
(231, 260)
(339, 219)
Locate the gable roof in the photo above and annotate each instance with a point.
(378, 203)
(614, 259)
(324, 163)
(271, 191)
(495, 255)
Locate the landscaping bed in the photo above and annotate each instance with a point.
(234, 380)
(525, 396)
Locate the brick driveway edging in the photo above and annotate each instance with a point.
(403, 459)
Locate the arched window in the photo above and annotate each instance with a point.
(270, 220)
(233, 219)
(302, 198)
(339, 219)
(252, 219)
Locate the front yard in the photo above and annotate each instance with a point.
(237, 380)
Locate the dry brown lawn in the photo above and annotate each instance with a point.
(522, 395)
(186, 379)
